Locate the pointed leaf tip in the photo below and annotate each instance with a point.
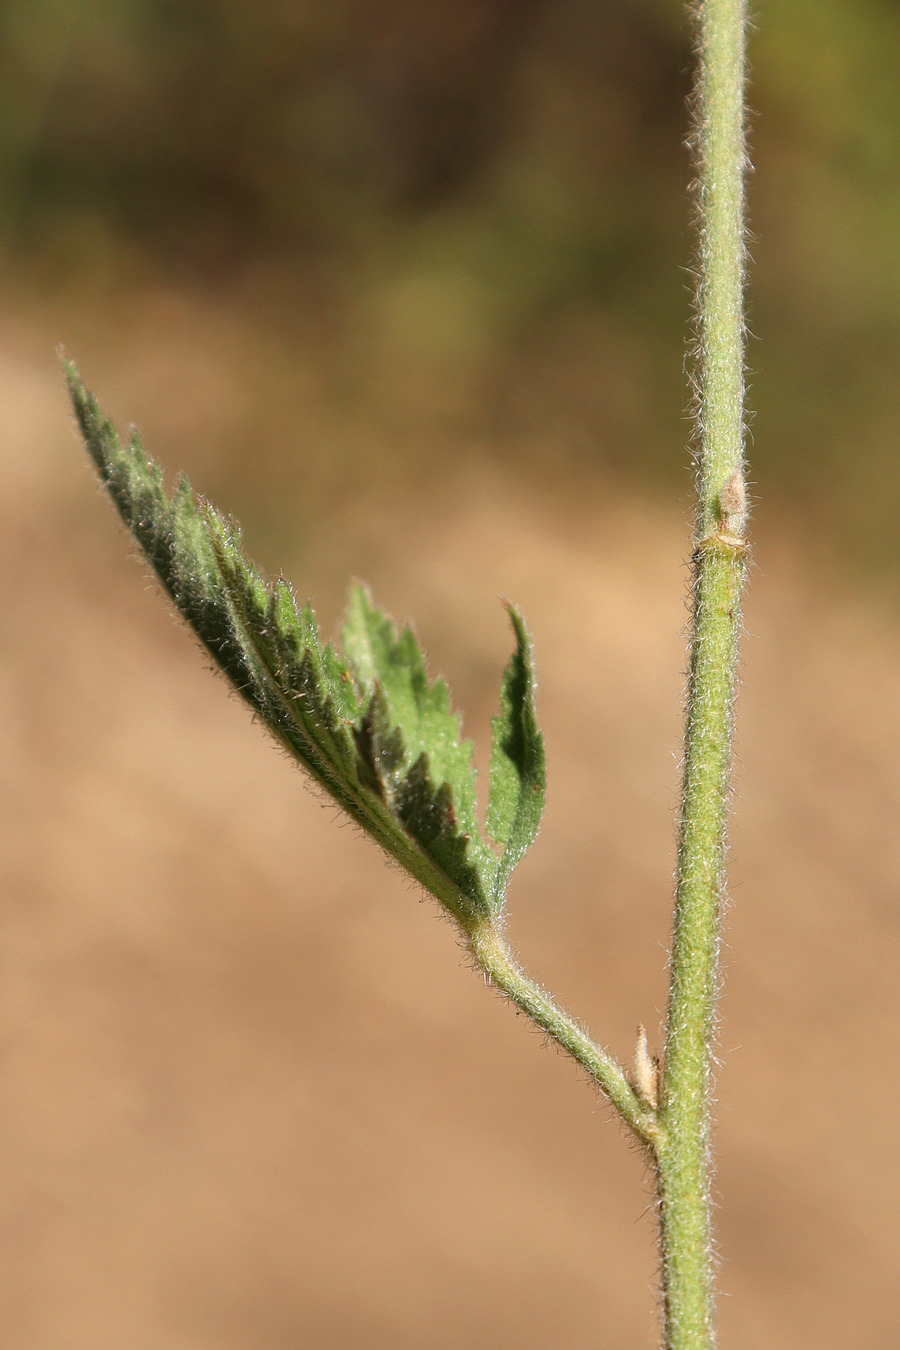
(517, 780)
(370, 726)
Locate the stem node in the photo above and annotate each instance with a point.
(718, 567)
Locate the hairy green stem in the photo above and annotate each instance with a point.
(683, 1161)
(356, 747)
(492, 953)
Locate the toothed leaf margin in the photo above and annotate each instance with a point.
(518, 777)
(369, 725)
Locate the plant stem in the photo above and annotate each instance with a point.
(682, 1157)
(492, 953)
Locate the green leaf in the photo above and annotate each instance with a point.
(170, 532)
(517, 784)
(368, 725)
(431, 774)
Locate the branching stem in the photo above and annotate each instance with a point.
(677, 1133)
(491, 951)
(382, 739)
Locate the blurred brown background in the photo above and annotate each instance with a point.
(404, 287)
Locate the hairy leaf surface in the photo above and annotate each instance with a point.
(368, 724)
(516, 800)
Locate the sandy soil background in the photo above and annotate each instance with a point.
(251, 1096)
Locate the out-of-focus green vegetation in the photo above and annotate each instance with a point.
(474, 212)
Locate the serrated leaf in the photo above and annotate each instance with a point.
(368, 725)
(390, 671)
(517, 781)
(379, 658)
(306, 695)
(169, 532)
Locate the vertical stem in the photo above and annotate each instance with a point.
(683, 1159)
